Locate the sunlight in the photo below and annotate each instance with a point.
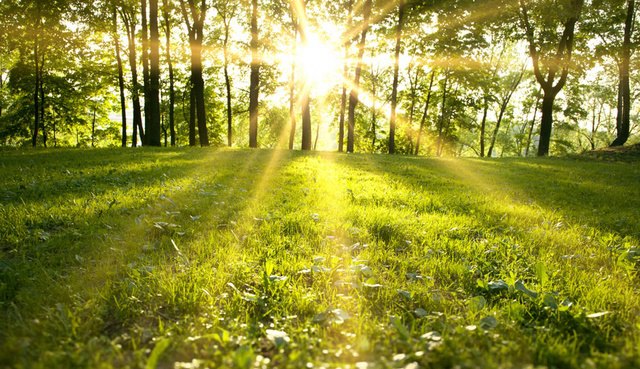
(320, 64)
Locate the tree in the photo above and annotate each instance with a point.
(550, 66)
(396, 69)
(194, 16)
(128, 15)
(166, 15)
(353, 95)
(227, 12)
(624, 90)
(254, 88)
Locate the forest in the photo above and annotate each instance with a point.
(438, 78)
(196, 184)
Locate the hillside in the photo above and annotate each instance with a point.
(196, 258)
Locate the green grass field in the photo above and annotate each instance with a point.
(197, 258)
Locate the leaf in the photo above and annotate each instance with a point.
(420, 312)
(158, 350)
(541, 273)
(279, 338)
(400, 328)
(521, 287)
(488, 322)
(498, 285)
(477, 303)
(406, 294)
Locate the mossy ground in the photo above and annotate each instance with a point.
(185, 258)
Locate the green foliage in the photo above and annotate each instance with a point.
(230, 258)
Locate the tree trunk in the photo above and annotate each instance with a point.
(172, 90)
(423, 121)
(483, 125)
(123, 104)
(292, 90)
(396, 70)
(227, 84)
(442, 116)
(192, 116)
(347, 38)
(306, 86)
(93, 128)
(135, 91)
(36, 90)
(153, 122)
(623, 122)
(353, 95)
(145, 71)
(503, 108)
(533, 122)
(42, 102)
(254, 88)
(547, 122)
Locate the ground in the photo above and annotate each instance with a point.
(196, 258)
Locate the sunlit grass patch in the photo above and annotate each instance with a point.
(228, 258)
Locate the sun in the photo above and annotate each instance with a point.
(320, 64)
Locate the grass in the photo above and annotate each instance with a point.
(192, 258)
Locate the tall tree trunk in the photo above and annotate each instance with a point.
(130, 26)
(353, 95)
(145, 71)
(623, 122)
(483, 125)
(347, 38)
(227, 83)
(503, 107)
(172, 90)
(192, 117)
(560, 66)
(374, 109)
(533, 123)
(396, 70)
(93, 128)
(300, 11)
(123, 104)
(36, 89)
(254, 88)
(153, 128)
(42, 102)
(443, 113)
(423, 121)
(292, 90)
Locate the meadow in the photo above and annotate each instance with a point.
(203, 258)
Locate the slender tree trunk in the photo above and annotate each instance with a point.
(347, 39)
(396, 70)
(306, 87)
(483, 125)
(227, 84)
(292, 90)
(374, 109)
(123, 104)
(36, 90)
(135, 90)
(423, 121)
(315, 142)
(443, 113)
(533, 123)
(353, 95)
(145, 72)
(42, 101)
(254, 88)
(623, 122)
(198, 87)
(503, 108)
(153, 122)
(93, 128)
(192, 116)
(172, 90)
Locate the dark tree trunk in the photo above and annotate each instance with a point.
(153, 121)
(135, 90)
(396, 71)
(353, 95)
(345, 77)
(624, 97)
(254, 88)
(503, 108)
(93, 128)
(194, 17)
(172, 90)
(123, 103)
(443, 113)
(533, 123)
(36, 89)
(546, 123)
(145, 71)
(42, 102)
(292, 91)
(423, 121)
(483, 125)
(559, 67)
(306, 88)
(227, 84)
